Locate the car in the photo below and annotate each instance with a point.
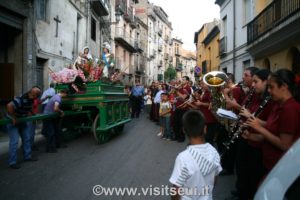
(283, 182)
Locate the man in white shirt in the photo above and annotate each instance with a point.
(195, 168)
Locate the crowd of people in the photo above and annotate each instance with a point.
(267, 106)
(266, 103)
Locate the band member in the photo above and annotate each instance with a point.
(182, 95)
(261, 106)
(210, 120)
(239, 92)
(282, 127)
(240, 147)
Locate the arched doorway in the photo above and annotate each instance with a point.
(295, 60)
(266, 64)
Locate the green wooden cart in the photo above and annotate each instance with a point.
(101, 109)
(106, 107)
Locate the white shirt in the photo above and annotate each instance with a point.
(157, 97)
(50, 92)
(196, 168)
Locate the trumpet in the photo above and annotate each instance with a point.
(216, 80)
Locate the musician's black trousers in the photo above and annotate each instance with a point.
(136, 106)
(177, 128)
(249, 169)
(241, 168)
(228, 155)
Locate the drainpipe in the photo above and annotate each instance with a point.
(234, 29)
(88, 19)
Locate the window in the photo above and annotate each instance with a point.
(247, 11)
(246, 64)
(93, 29)
(224, 20)
(41, 9)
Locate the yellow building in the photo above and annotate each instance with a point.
(207, 42)
(273, 36)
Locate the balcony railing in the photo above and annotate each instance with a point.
(223, 46)
(167, 39)
(160, 64)
(273, 15)
(120, 6)
(160, 32)
(124, 39)
(100, 7)
(128, 15)
(160, 47)
(166, 56)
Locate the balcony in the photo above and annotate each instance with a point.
(177, 53)
(160, 48)
(120, 6)
(159, 32)
(133, 23)
(124, 39)
(223, 46)
(153, 54)
(179, 67)
(160, 63)
(139, 46)
(171, 58)
(167, 39)
(100, 7)
(128, 15)
(280, 22)
(166, 56)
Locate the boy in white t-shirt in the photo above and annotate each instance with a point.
(197, 167)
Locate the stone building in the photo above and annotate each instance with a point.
(63, 29)
(18, 71)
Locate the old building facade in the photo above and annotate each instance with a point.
(207, 43)
(234, 15)
(18, 71)
(273, 34)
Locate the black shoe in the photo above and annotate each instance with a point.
(180, 140)
(225, 173)
(234, 193)
(32, 159)
(34, 148)
(15, 166)
(51, 151)
(61, 146)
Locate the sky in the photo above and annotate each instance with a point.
(188, 16)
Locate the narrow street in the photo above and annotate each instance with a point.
(136, 158)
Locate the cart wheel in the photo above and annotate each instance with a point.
(100, 136)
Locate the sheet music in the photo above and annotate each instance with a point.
(228, 114)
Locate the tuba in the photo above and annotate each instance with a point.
(216, 80)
